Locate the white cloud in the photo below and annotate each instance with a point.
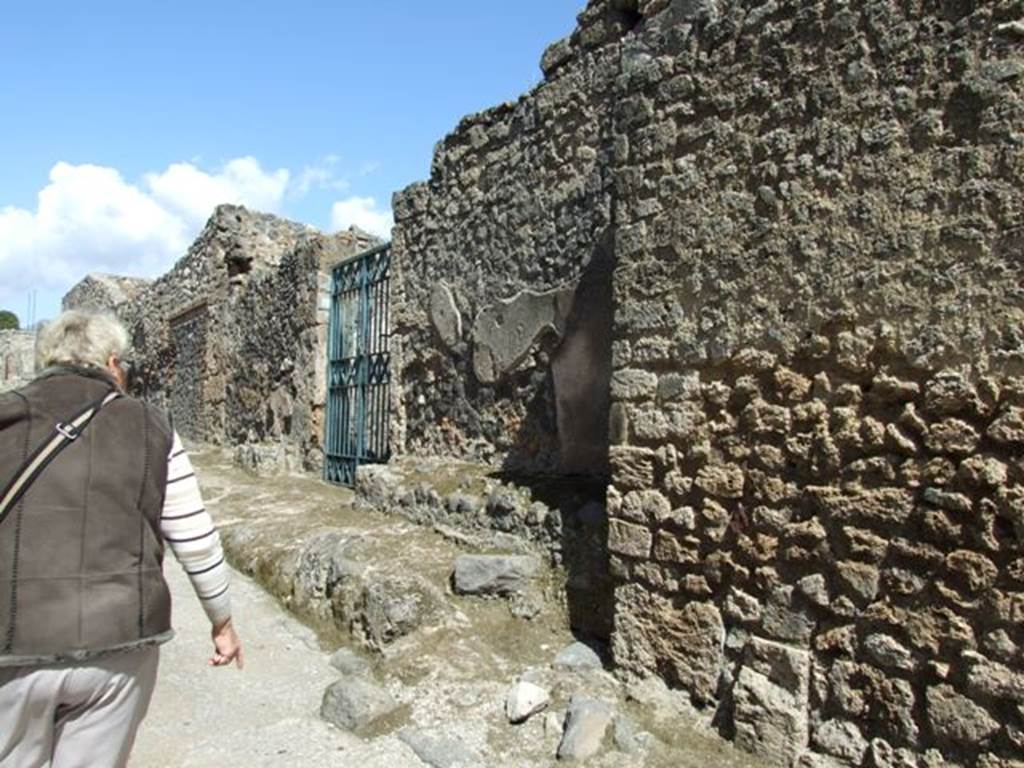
(194, 193)
(88, 218)
(363, 213)
(320, 176)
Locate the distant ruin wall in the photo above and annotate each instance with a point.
(103, 292)
(815, 216)
(232, 339)
(17, 358)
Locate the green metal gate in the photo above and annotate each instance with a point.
(358, 365)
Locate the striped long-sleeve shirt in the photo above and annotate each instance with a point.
(192, 536)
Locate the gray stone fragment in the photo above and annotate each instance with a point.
(585, 725)
(504, 333)
(439, 751)
(523, 700)
(393, 607)
(842, 739)
(526, 605)
(556, 54)
(884, 755)
(628, 736)
(999, 645)
(770, 701)
(348, 662)
(493, 574)
(577, 657)
(955, 720)
(355, 704)
(445, 315)
(889, 653)
(991, 680)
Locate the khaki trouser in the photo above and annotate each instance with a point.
(79, 715)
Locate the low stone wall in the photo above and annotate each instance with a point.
(17, 358)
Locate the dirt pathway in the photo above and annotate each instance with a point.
(265, 715)
(366, 580)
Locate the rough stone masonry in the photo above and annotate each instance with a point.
(232, 339)
(761, 263)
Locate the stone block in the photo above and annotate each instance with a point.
(986, 472)
(445, 315)
(697, 638)
(724, 480)
(989, 680)
(956, 721)
(953, 437)
(885, 506)
(859, 580)
(771, 701)
(586, 723)
(786, 616)
(670, 548)
(647, 506)
(493, 574)
(842, 739)
(1008, 428)
(971, 569)
(438, 751)
(632, 468)
(629, 539)
(634, 384)
(356, 704)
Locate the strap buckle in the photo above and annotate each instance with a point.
(68, 430)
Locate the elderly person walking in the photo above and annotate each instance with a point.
(83, 602)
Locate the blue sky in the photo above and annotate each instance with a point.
(124, 122)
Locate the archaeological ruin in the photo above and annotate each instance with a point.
(734, 298)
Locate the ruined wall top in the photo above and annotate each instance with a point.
(103, 292)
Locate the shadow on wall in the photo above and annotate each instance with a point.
(574, 404)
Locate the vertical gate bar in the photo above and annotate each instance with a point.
(331, 327)
(361, 366)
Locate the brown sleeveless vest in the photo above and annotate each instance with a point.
(81, 554)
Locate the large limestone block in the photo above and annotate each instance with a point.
(770, 701)
(685, 641)
(356, 704)
(445, 315)
(585, 727)
(493, 574)
(504, 333)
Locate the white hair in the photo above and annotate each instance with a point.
(78, 337)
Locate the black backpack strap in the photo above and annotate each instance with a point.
(63, 433)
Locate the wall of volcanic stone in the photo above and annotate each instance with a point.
(502, 273)
(817, 413)
(804, 224)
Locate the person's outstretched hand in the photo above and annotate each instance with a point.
(226, 645)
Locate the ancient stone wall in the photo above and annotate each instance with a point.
(816, 413)
(232, 339)
(501, 342)
(814, 216)
(17, 358)
(103, 292)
